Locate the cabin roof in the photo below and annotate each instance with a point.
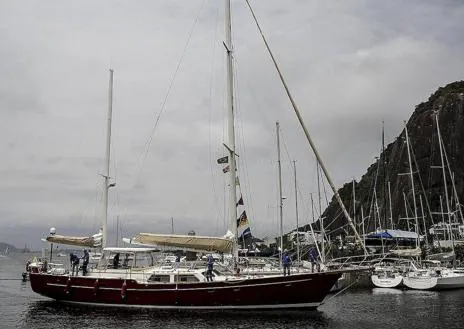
(393, 234)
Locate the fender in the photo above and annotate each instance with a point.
(95, 287)
(67, 289)
(124, 291)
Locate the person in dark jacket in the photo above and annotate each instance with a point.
(286, 262)
(74, 264)
(116, 260)
(85, 262)
(209, 271)
(313, 258)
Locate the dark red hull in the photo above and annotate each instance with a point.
(295, 291)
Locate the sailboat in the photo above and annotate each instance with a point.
(438, 277)
(5, 253)
(391, 274)
(138, 281)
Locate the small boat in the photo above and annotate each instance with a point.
(435, 279)
(387, 278)
(420, 279)
(4, 255)
(389, 272)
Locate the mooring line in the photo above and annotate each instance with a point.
(11, 279)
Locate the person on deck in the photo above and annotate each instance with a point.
(74, 264)
(313, 258)
(44, 266)
(177, 262)
(85, 262)
(286, 262)
(125, 263)
(116, 260)
(209, 271)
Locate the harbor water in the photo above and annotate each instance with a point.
(355, 308)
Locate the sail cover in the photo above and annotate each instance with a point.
(192, 242)
(89, 241)
(444, 256)
(407, 252)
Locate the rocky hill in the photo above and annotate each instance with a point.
(6, 248)
(448, 103)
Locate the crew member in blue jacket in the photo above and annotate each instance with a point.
(286, 262)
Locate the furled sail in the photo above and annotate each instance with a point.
(444, 256)
(93, 241)
(416, 252)
(192, 242)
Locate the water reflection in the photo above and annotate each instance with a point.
(386, 291)
(58, 315)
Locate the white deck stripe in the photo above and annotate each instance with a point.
(224, 307)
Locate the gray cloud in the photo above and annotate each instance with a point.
(350, 65)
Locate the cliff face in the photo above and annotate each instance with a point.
(393, 166)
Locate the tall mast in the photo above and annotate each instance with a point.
(412, 184)
(354, 202)
(321, 219)
(312, 231)
(306, 132)
(231, 127)
(384, 162)
(440, 143)
(363, 228)
(458, 204)
(117, 231)
(390, 206)
(377, 211)
(423, 222)
(296, 215)
(406, 210)
(443, 217)
(106, 174)
(280, 192)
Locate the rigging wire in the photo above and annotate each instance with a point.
(244, 156)
(257, 106)
(165, 100)
(306, 203)
(289, 166)
(427, 203)
(212, 161)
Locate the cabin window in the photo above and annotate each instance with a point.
(159, 278)
(185, 278)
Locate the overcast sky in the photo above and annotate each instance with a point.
(350, 65)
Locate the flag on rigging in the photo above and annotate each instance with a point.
(243, 228)
(240, 201)
(246, 232)
(242, 220)
(223, 160)
(226, 169)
